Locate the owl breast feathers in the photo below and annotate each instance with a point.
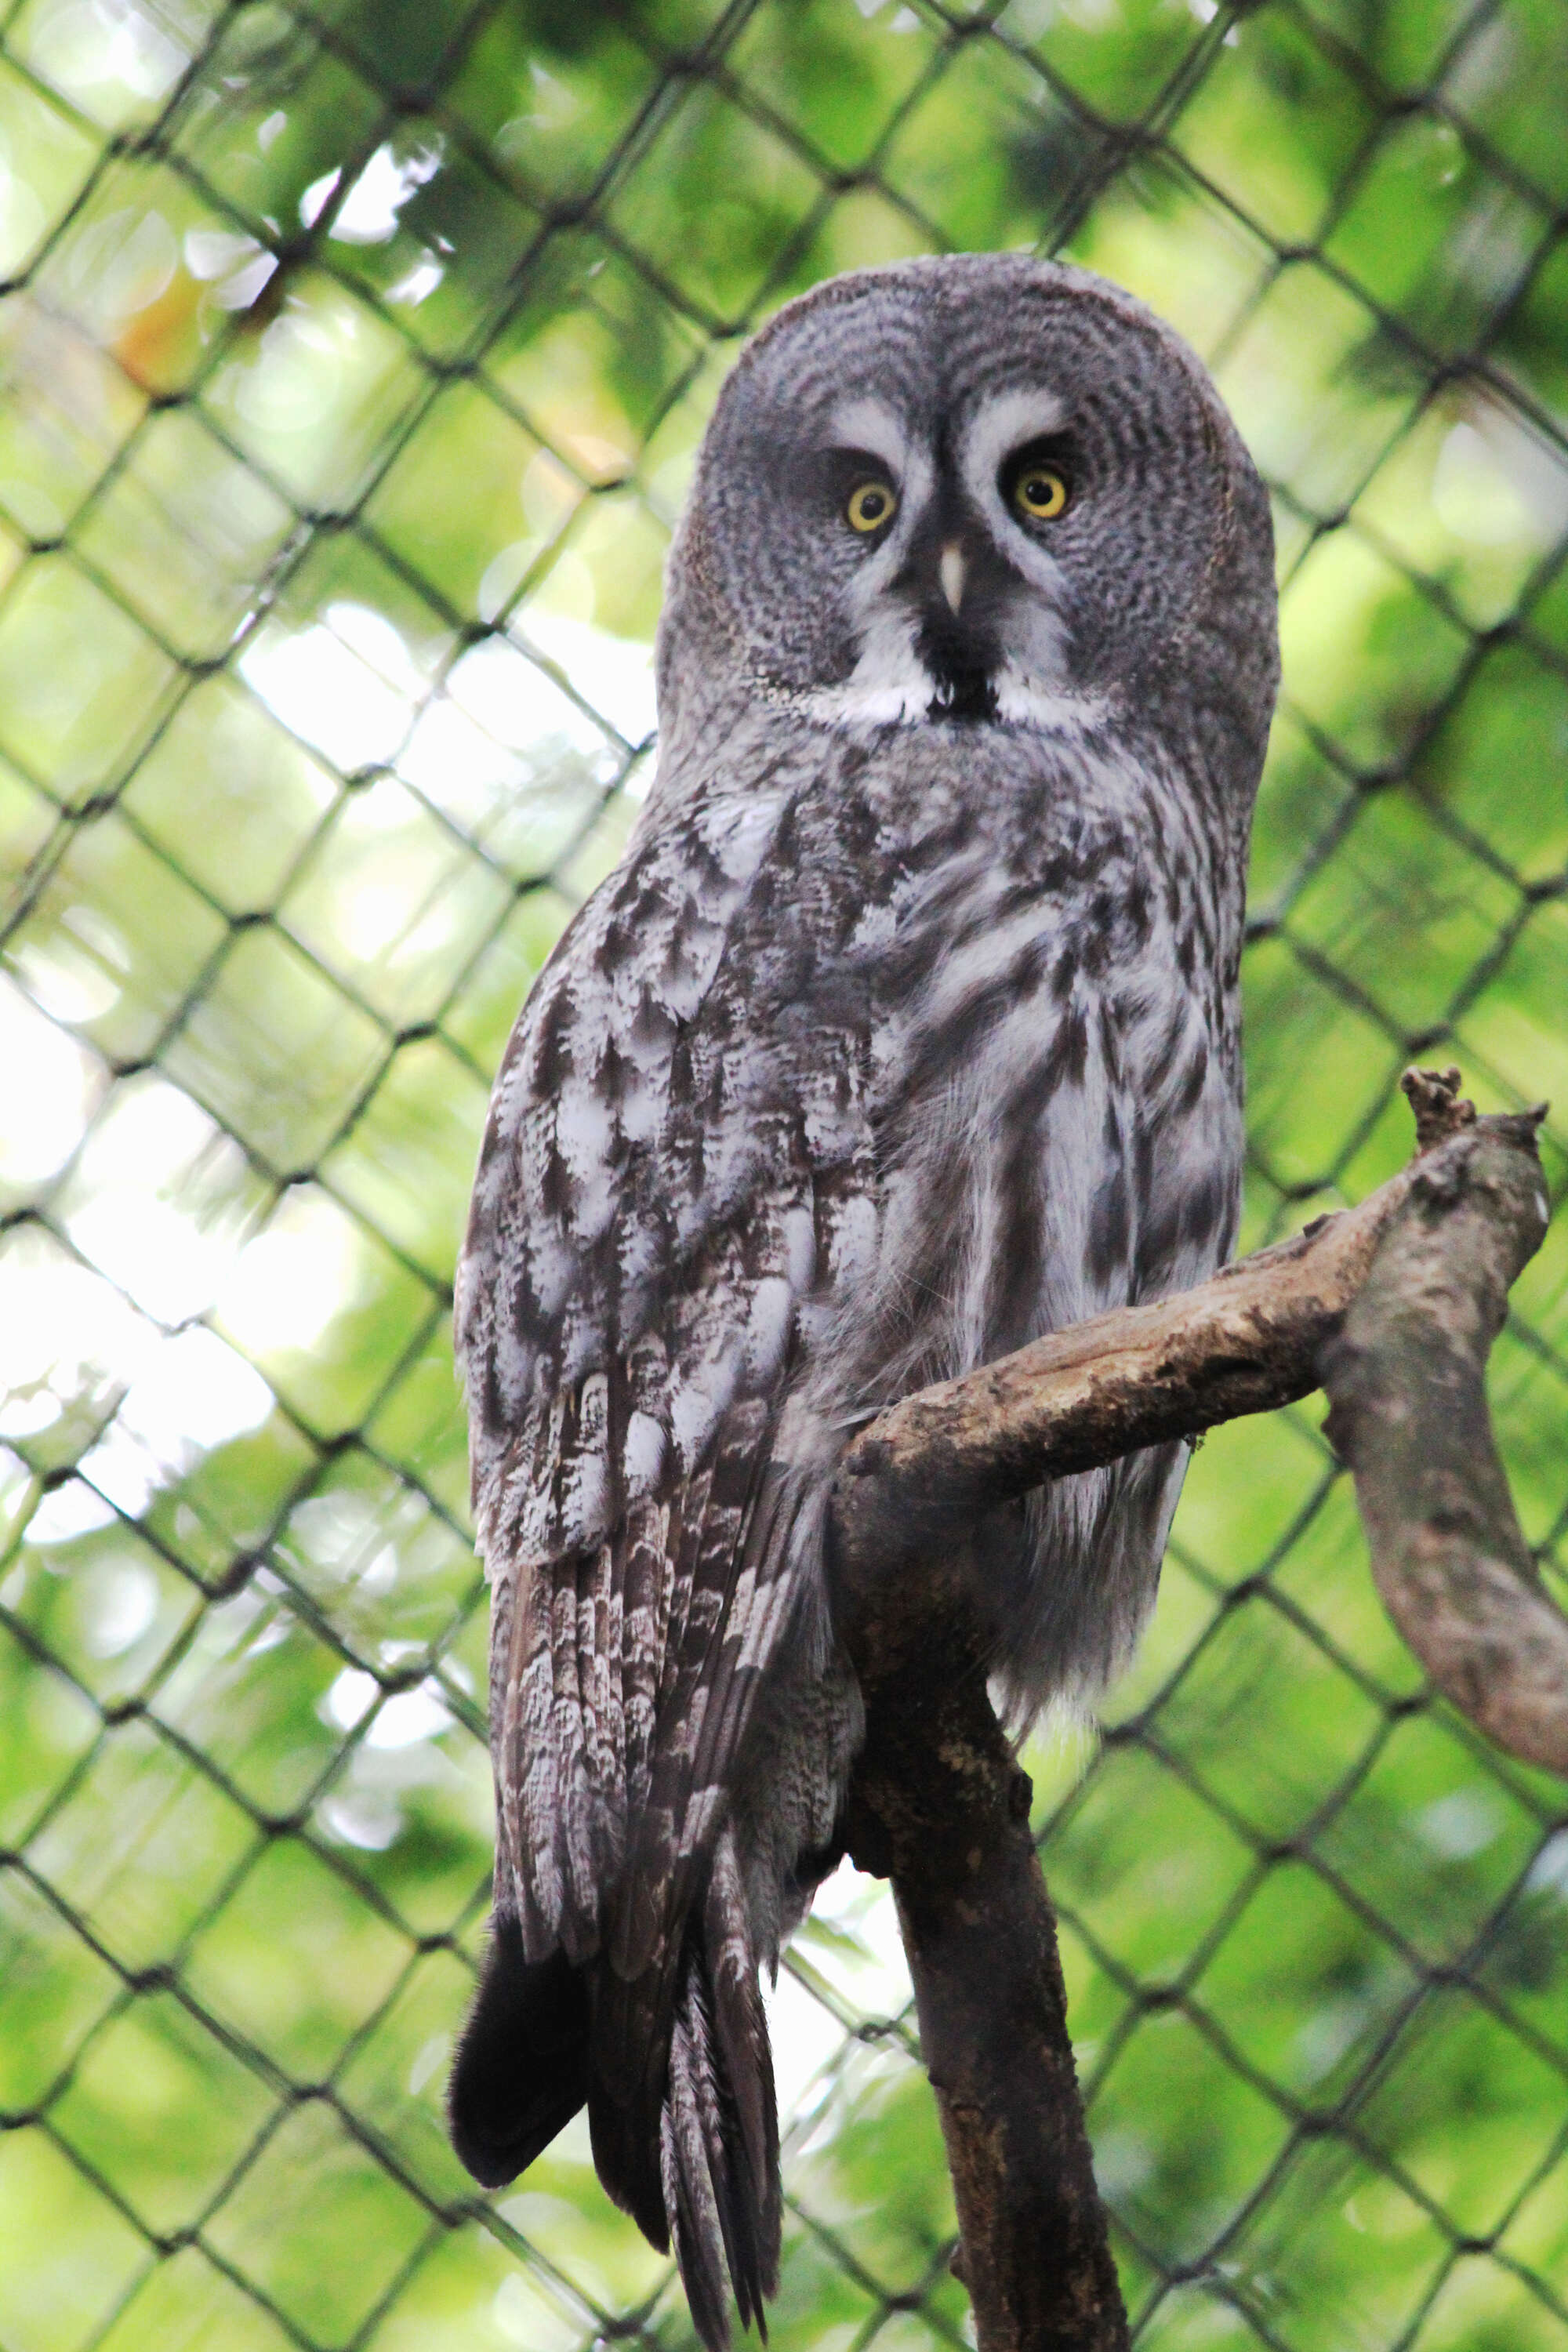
(906, 1030)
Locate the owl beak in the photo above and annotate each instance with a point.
(951, 572)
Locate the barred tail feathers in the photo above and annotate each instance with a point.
(684, 2119)
(677, 2073)
(719, 2135)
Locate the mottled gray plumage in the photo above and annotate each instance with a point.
(906, 1030)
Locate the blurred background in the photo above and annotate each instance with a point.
(352, 358)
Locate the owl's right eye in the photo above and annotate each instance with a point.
(870, 506)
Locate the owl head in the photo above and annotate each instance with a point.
(981, 490)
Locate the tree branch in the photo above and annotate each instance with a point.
(939, 1805)
(1408, 1414)
(1246, 1341)
(1393, 1305)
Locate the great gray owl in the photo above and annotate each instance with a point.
(906, 1030)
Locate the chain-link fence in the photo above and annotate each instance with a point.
(354, 357)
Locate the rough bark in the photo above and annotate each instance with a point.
(1393, 1305)
(941, 1807)
(1408, 1414)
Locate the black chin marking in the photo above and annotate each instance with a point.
(963, 694)
(961, 671)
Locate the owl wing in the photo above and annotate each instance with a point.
(671, 1168)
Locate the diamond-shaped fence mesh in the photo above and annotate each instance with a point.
(352, 358)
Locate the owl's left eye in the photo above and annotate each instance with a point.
(1040, 493)
(1037, 481)
(870, 505)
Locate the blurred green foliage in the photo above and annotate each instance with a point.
(352, 358)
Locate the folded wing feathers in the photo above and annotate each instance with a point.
(644, 1622)
(636, 1611)
(675, 1823)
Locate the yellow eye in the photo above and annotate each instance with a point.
(870, 506)
(1040, 493)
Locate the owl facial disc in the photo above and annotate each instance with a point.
(988, 492)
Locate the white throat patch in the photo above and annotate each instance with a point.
(891, 686)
